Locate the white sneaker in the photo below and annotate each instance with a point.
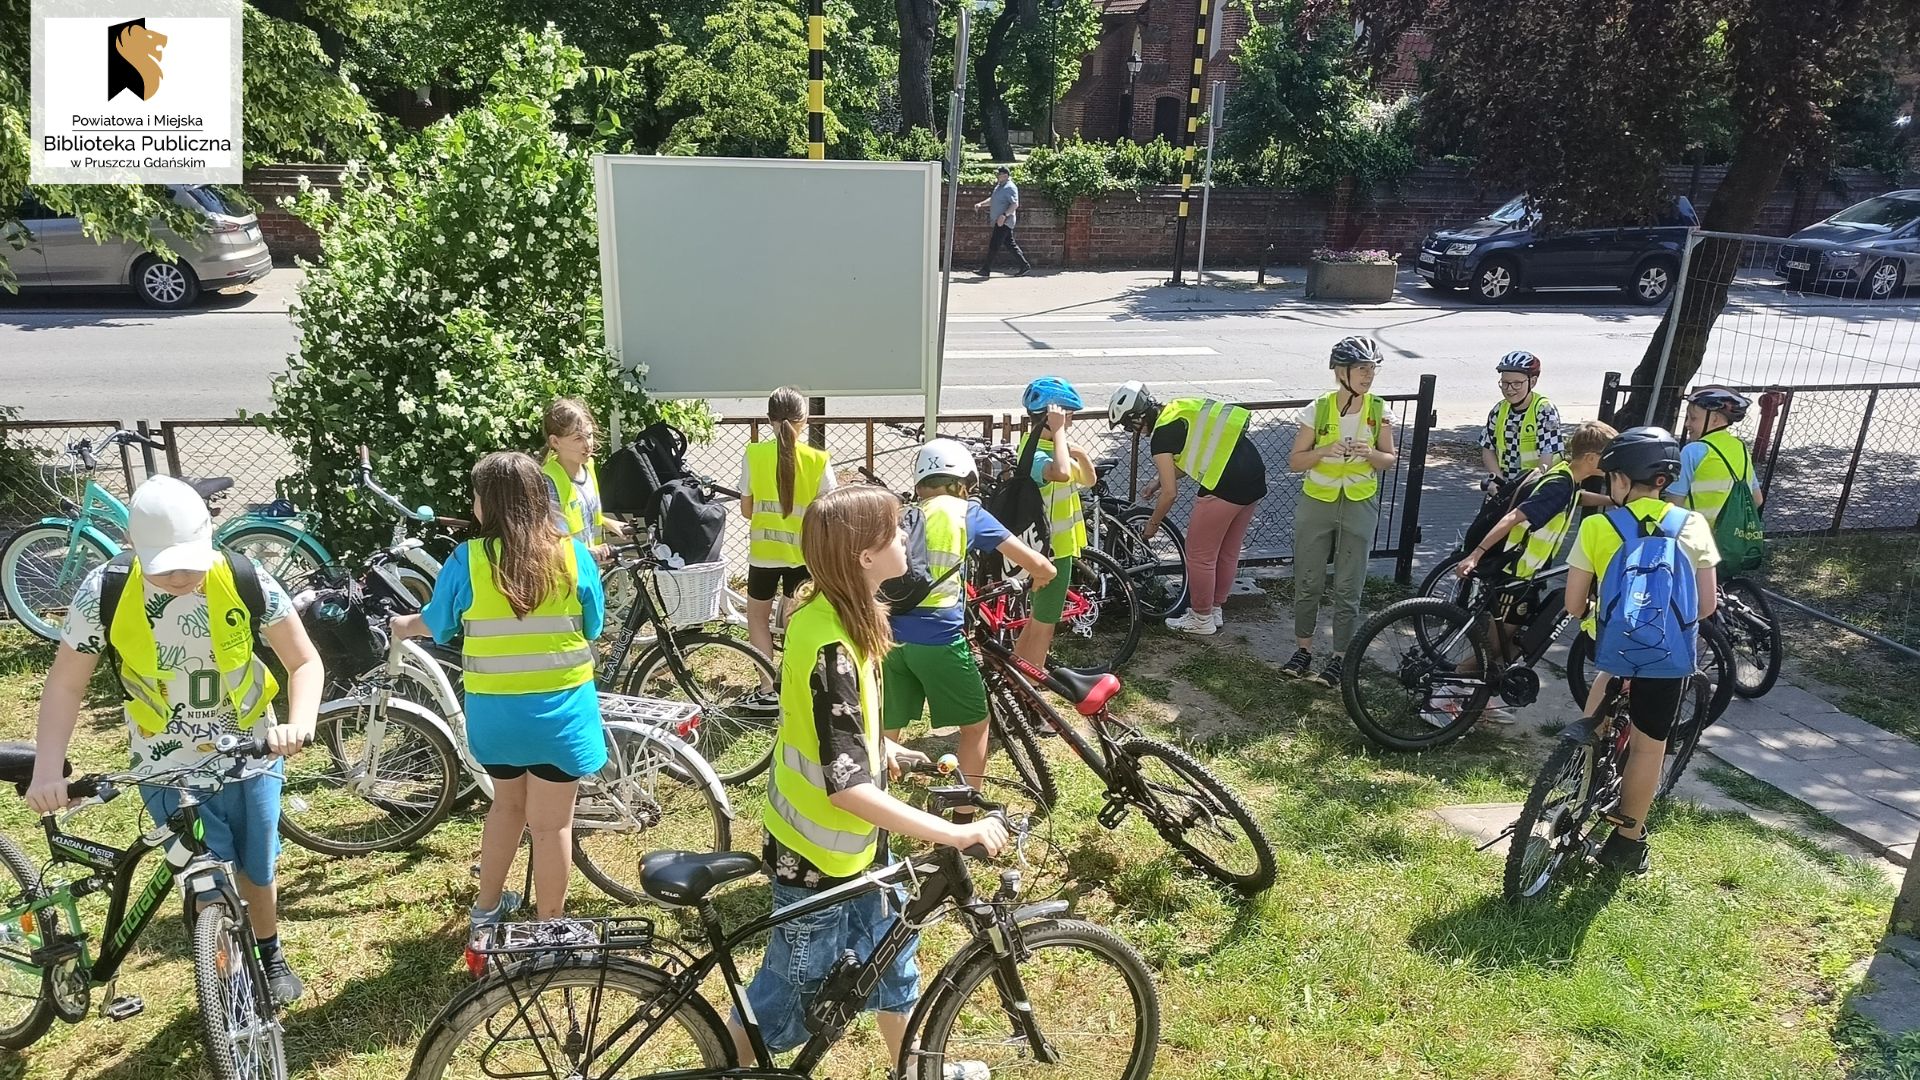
(1194, 623)
(1219, 618)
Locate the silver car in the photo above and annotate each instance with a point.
(1869, 249)
(59, 256)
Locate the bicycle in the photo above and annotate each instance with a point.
(1157, 567)
(43, 564)
(576, 999)
(1574, 802)
(1753, 632)
(1179, 797)
(54, 971)
(1712, 641)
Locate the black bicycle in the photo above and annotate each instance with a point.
(1753, 632)
(1717, 661)
(48, 969)
(1575, 801)
(1185, 803)
(1156, 568)
(1029, 994)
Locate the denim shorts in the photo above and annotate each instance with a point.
(242, 820)
(801, 951)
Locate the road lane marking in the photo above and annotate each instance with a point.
(1019, 354)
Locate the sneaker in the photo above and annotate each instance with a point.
(286, 986)
(1441, 713)
(1192, 622)
(1022, 272)
(1298, 667)
(1582, 731)
(1330, 675)
(1219, 619)
(1498, 715)
(967, 1070)
(1624, 855)
(509, 903)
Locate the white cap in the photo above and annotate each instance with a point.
(169, 527)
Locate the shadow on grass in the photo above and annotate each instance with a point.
(1542, 933)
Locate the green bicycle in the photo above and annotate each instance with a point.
(47, 968)
(43, 564)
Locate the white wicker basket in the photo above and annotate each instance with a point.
(690, 596)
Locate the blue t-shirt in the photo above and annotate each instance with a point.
(560, 728)
(1691, 455)
(944, 625)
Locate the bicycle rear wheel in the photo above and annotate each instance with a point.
(41, 568)
(1104, 634)
(735, 737)
(551, 1018)
(1092, 1001)
(647, 798)
(1157, 567)
(1193, 811)
(1684, 738)
(286, 553)
(26, 1000)
(355, 790)
(237, 1013)
(1012, 730)
(1552, 824)
(1412, 678)
(1716, 663)
(1753, 632)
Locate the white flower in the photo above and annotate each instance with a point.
(406, 405)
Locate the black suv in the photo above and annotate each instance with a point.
(1508, 251)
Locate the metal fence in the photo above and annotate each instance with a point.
(38, 468)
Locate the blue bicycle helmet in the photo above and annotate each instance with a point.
(1048, 390)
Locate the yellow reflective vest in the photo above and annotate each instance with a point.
(1356, 480)
(502, 653)
(249, 687)
(946, 525)
(774, 537)
(1727, 463)
(799, 812)
(1066, 522)
(1537, 547)
(573, 501)
(1213, 430)
(1529, 432)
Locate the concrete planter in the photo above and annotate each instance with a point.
(1366, 283)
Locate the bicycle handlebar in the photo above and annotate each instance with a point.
(421, 514)
(119, 437)
(960, 794)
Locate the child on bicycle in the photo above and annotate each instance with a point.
(1061, 469)
(1639, 463)
(828, 811)
(180, 635)
(573, 485)
(526, 602)
(1714, 459)
(1523, 429)
(931, 666)
(779, 479)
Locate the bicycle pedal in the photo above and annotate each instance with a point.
(123, 1008)
(1112, 814)
(1618, 820)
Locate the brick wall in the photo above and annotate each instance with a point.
(287, 236)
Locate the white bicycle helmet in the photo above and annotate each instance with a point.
(1130, 403)
(943, 457)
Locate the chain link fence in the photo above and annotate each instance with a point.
(39, 468)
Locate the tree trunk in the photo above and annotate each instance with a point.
(1906, 906)
(1751, 177)
(919, 28)
(993, 106)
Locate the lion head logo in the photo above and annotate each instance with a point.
(133, 59)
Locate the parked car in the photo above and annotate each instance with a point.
(59, 256)
(1869, 249)
(1509, 251)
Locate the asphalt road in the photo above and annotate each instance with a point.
(103, 357)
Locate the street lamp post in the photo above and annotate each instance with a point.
(1134, 64)
(956, 113)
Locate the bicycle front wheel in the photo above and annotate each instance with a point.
(41, 568)
(648, 797)
(26, 1000)
(371, 781)
(1087, 995)
(1197, 814)
(1157, 567)
(1100, 627)
(1753, 632)
(547, 1018)
(237, 1013)
(1552, 825)
(719, 674)
(286, 553)
(1413, 675)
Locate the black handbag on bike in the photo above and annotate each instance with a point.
(691, 522)
(1018, 504)
(634, 476)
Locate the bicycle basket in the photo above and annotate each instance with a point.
(690, 596)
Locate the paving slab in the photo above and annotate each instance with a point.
(1838, 724)
(1792, 700)
(1890, 997)
(1480, 821)
(1838, 796)
(1899, 753)
(1744, 715)
(1805, 744)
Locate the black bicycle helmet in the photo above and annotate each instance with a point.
(1354, 350)
(1520, 361)
(1643, 454)
(1721, 400)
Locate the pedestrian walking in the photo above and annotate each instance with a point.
(1005, 203)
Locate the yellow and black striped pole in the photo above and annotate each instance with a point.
(816, 80)
(1187, 137)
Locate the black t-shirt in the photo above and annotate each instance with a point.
(843, 748)
(1244, 480)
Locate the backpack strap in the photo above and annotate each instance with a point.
(113, 584)
(246, 582)
(1029, 446)
(1738, 479)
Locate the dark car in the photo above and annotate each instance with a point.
(1869, 249)
(1509, 251)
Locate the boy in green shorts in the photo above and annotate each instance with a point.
(931, 664)
(1061, 470)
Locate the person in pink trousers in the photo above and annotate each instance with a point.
(1206, 440)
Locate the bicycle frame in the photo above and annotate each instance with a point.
(1023, 677)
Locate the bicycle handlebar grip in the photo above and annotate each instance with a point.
(975, 851)
(366, 460)
(84, 787)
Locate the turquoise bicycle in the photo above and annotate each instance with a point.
(43, 564)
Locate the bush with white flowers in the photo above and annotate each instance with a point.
(458, 295)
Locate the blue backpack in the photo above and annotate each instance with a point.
(1649, 605)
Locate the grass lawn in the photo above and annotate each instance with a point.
(1384, 950)
(1868, 580)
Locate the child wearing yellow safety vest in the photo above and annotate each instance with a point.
(1206, 440)
(828, 812)
(1061, 469)
(573, 486)
(1523, 430)
(779, 479)
(1345, 440)
(180, 638)
(1713, 459)
(931, 666)
(525, 604)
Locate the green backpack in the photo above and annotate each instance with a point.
(1737, 532)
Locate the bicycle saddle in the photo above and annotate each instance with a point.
(208, 487)
(16, 765)
(1089, 690)
(683, 878)
(1105, 466)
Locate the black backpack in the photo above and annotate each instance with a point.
(634, 476)
(906, 592)
(113, 583)
(692, 523)
(1019, 505)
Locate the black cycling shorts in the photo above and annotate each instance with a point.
(1655, 704)
(549, 773)
(764, 581)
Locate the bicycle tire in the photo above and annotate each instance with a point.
(650, 781)
(1719, 671)
(1206, 797)
(1569, 761)
(289, 555)
(229, 983)
(16, 942)
(1115, 607)
(737, 741)
(1163, 589)
(1685, 737)
(1406, 660)
(1013, 732)
(520, 988)
(31, 601)
(425, 780)
(1754, 632)
(981, 1038)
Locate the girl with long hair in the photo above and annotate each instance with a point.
(779, 479)
(573, 485)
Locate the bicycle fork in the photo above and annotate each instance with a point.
(1008, 951)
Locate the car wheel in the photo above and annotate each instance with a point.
(1495, 280)
(1653, 282)
(164, 284)
(1884, 279)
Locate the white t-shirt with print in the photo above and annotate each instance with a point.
(200, 709)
